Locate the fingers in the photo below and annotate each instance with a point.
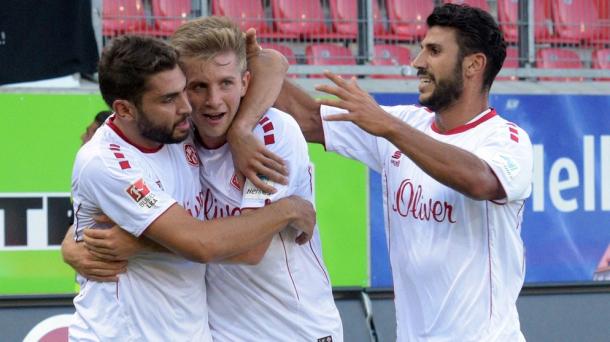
(339, 117)
(102, 219)
(252, 46)
(103, 254)
(261, 184)
(275, 162)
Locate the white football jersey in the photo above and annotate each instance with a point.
(160, 297)
(288, 295)
(457, 263)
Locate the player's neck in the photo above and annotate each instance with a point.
(212, 143)
(462, 110)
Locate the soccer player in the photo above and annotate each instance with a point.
(98, 121)
(455, 176)
(141, 169)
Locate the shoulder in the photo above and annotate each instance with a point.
(502, 128)
(277, 124)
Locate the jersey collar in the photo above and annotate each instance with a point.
(479, 119)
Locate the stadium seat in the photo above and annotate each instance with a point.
(558, 58)
(122, 16)
(576, 20)
(386, 54)
(169, 15)
(601, 60)
(511, 62)
(329, 54)
(344, 15)
(482, 4)
(603, 9)
(407, 19)
(301, 18)
(508, 17)
(248, 14)
(285, 50)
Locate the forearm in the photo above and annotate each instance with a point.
(219, 239)
(304, 109)
(69, 249)
(457, 168)
(267, 69)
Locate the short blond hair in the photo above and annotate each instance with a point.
(206, 37)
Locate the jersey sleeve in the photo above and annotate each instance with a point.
(508, 151)
(282, 136)
(349, 140)
(124, 193)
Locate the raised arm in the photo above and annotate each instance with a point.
(268, 68)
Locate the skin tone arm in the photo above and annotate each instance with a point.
(268, 68)
(448, 164)
(219, 239)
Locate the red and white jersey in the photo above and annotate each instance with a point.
(457, 263)
(288, 295)
(161, 297)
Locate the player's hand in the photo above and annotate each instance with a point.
(361, 108)
(92, 267)
(305, 220)
(252, 46)
(112, 244)
(254, 161)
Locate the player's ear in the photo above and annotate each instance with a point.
(124, 109)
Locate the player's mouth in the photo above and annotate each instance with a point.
(214, 117)
(425, 80)
(183, 125)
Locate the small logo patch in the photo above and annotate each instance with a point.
(252, 192)
(141, 194)
(396, 158)
(508, 165)
(326, 339)
(191, 154)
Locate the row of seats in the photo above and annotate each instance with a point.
(386, 54)
(556, 21)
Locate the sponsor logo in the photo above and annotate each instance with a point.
(213, 208)
(252, 192)
(141, 194)
(396, 158)
(410, 201)
(509, 165)
(191, 155)
(235, 182)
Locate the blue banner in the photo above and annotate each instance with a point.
(566, 226)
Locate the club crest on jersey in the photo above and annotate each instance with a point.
(191, 154)
(396, 158)
(235, 182)
(141, 194)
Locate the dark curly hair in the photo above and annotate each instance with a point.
(128, 62)
(476, 31)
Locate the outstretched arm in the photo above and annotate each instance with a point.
(457, 168)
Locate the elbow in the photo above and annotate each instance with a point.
(485, 191)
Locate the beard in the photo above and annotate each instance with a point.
(157, 133)
(446, 92)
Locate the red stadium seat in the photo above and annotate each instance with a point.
(558, 58)
(603, 9)
(511, 62)
(407, 19)
(601, 60)
(344, 14)
(329, 54)
(508, 16)
(576, 20)
(122, 16)
(301, 18)
(482, 4)
(169, 15)
(386, 54)
(285, 50)
(246, 15)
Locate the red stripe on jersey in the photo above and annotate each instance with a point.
(513, 130)
(119, 155)
(263, 120)
(115, 147)
(268, 127)
(467, 126)
(124, 164)
(514, 138)
(269, 139)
